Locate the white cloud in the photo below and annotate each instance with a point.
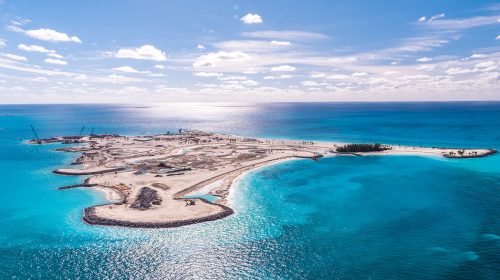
(40, 79)
(34, 48)
(156, 75)
(343, 59)
(80, 77)
(221, 57)
(159, 66)
(200, 47)
(2, 43)
(458, 70)
(233, 78)
(438, 16)
(56, 55)
(125, 69)
(280, 43)
(498, 37)
(39, 49)
(280, 77)
(113, 78)
(55, 61)
(15, 28)
(426, 67)
(461, 24)
(359, 74)
(417, 44)
(285, 35)
(51, 35)
(477, 55)
(485, 64)
(337, 77)
(318, 75)
(251, 19)
(146, 52)
(249, 83)
(208, 74)
(14, 57)
(422, 19)
(283, 68)
(424, 59)
(313, 84)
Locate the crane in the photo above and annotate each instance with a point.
(36, 135)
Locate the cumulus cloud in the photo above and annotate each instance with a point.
(313, 84)
(359, 74)
(159, 66)
(251, 19)
(485, 64)
(424, 59)
(125, 69)
(283, 68)
(2, 43)
(477, 55)
(14, 57)
(280, 43)
(208, 74)
(34, 48)
(498, 37)
(146, 52)
(221, 57)
(51, 35)
(55, 61)
(200, 47)
(249, 83)
(56, 55)
(422, 19)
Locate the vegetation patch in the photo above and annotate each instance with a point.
(362, 148)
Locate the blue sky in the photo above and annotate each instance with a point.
(229, 50)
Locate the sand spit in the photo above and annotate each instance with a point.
(151, 175)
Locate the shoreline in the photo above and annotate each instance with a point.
(171, 166)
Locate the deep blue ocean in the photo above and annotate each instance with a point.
(372, 217)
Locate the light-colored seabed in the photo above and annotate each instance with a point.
(148, 177)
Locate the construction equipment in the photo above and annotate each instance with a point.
(38, 141)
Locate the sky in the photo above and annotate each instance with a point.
(93, 51)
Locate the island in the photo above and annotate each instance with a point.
(176, 179)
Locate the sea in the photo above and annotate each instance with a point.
(345, 217)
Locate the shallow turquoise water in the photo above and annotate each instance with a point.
(376, 217)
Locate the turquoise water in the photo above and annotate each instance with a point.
(211, 198)
(375, 217)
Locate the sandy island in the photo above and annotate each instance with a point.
(148, 178)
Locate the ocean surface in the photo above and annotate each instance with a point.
(372, 217)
